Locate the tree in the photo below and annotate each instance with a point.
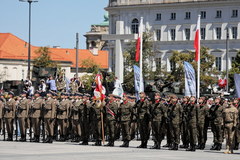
(234, 70)
(44, 60)
(90, 65)
(207, 74)
(129, 61)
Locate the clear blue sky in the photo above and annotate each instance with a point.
(54, 22)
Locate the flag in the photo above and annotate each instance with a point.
(118, 89)
(222, 83)
(139, 42)
(190, 80)
(99, 91)
(197, 41)
(237, 84)
(138, 81)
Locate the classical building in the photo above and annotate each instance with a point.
(94, 41)
(14, 56)
(173, 24)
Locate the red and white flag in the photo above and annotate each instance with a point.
(197, 41)
(139, 42)
(222, 83)
(99, 92)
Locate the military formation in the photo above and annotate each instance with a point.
(183, 122)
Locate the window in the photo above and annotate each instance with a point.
(233, 60)
(234, 13)
(188, 15)
(158, 17)
(203, 33)
(173, 16)
(234, 32)
(187, 34)
(158, 63)
(219, 14)
(173, 34)
(135, 24)
(158, 34)
(172, 65)
(218, 63)
(203, 14)
(218, 33)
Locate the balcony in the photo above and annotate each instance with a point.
(115, 3)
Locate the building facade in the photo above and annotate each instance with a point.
(173, 24)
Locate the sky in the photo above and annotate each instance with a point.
(54, 22)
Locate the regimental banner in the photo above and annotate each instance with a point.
(138, 81)
(237, 84)
(190, 80)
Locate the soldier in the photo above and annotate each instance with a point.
(184, 124)
(49, 116)
(230, 116)
(60, 84)
(202, 115)
(159, 114)
(1, 113)
(143, 106)
(133, 127)
(193, 111)
(85, 118)
(98, 117)
(216, 120)
(74, 112)
(73, 86)
(62, 116)
(111, 116)
(174, 120)
(125, 113)
(9, 115)
(22, 115)
(36, 115)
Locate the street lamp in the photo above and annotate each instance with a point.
(29, 34)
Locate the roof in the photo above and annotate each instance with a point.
(12, 47)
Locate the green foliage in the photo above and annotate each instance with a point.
(90, 65)
(234, 70)
(129, 60)
(87, 80)
(44, 60)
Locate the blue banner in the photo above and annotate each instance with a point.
(138, 81)
(237, 84)
(190, 80)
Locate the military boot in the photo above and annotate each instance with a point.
(84, 143)
(50, 139)
(174, 147)
(202, 147)
(36, 139)
(98, 143)
(46, 140)
(10, 137)
(125, 144)
(192, 148)
(214, 146)
(219, 147)
(198, 146)
(236, 146)
(167, 145)
(109, 143)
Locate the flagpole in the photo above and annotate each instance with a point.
(141, 48)
(199, 59)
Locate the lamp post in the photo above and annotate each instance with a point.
(29, 36)
(227, 57)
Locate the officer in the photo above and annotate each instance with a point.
(216, 120)
(174, 120)
(143, 106)
(125, 114)
(201, 123)
(9, 115)
(184, 124)
(230, 116)
(22, 114)
(159, 114)
(85, 118)
(193, 111)
(49, 116)
(36, 115)
(62, 116)
(111, 116)
(74, 116)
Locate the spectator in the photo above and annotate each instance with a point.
(52, 84)
(42, 88)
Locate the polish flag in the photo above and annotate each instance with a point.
(197, 41)
(222, 83)
(139, 42)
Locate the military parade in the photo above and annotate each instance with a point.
(83, 118)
